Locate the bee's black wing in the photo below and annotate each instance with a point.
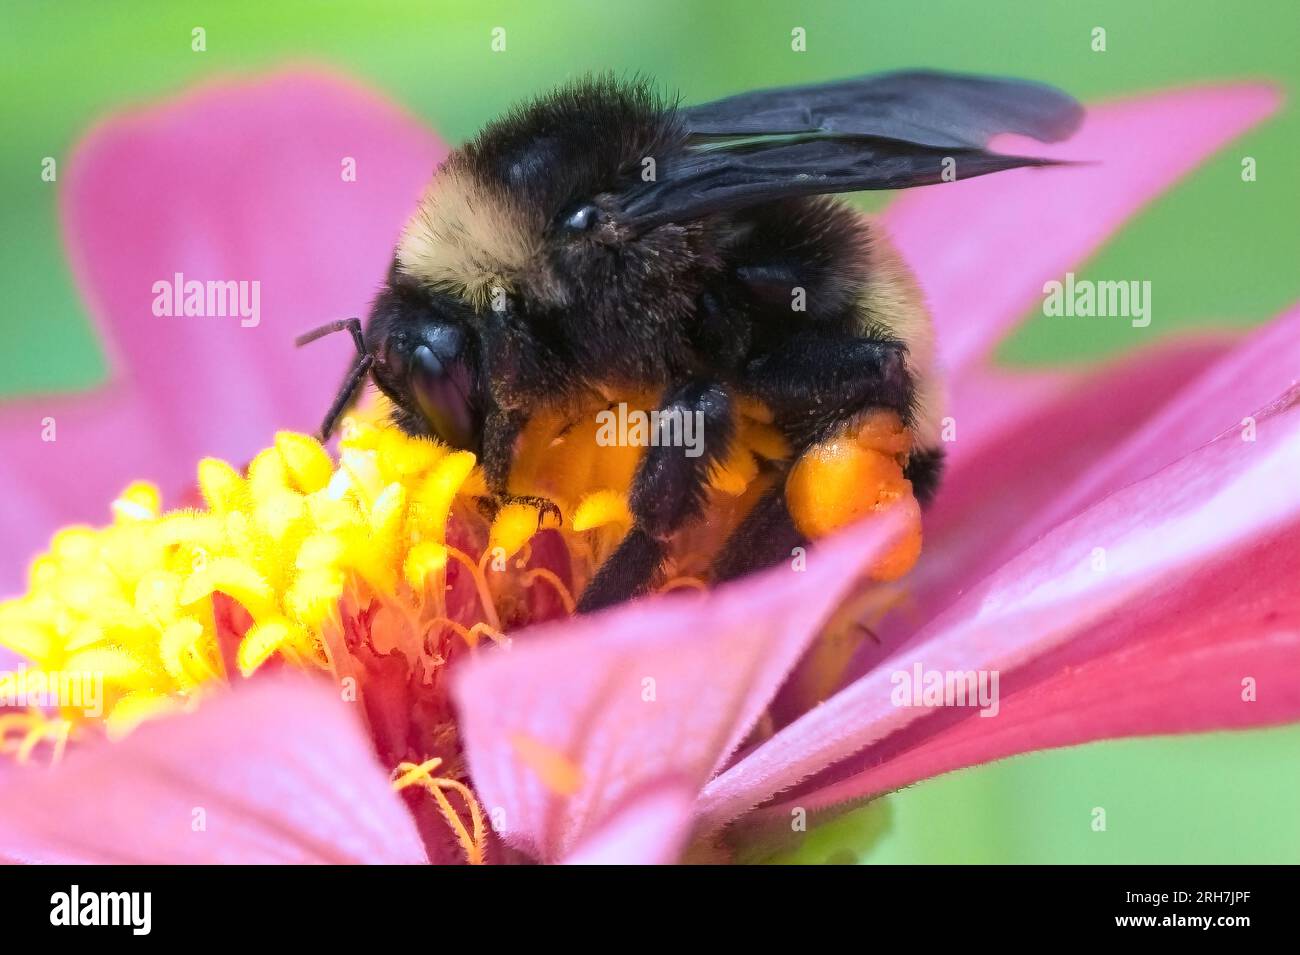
(923, 107)
(704, 183)
(880, 132)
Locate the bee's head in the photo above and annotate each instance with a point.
(427, 359)
(529, 214)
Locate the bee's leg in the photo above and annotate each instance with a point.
(764, 538)
(501, 429)
(626, 573)
(768, 536)
(668, 490)
(818, 386)
(924, 468)
(815, 386)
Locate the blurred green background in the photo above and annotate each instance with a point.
(1218, 252)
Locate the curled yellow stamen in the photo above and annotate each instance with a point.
(480, 584)
(473, 843)
(469, 634)
(552, 578)
(31, 728)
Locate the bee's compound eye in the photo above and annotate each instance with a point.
(581, 219)
(441, 384)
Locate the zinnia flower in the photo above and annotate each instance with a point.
(1116, 544)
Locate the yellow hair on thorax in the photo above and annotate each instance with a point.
(465, 238)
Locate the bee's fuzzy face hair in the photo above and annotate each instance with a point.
(486, 217)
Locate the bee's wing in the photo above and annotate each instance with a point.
(923, 107)
(886, 132)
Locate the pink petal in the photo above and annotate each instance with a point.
(990, 498)
(996, 503)
(571, 721)
(278, 771)
(651, 830)
(989, 505)
(1162, 538)
(983, 248)
(1220, 398)
(235, 181)
(1184, 676)
(74, 478)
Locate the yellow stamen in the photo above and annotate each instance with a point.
(552, 578)
(601, 508)
(480, 584)
(514, 525)
(263, 639)
(473, 844)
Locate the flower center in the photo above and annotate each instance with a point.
(379, 570)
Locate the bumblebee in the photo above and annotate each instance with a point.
(602, 241)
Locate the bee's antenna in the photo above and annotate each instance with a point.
(355, 374)
(353, 325)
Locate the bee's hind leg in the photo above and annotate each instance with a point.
(765, 537)
(668, 490)
(817, 385)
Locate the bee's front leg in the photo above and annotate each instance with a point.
(668, 490)
(501, 430)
